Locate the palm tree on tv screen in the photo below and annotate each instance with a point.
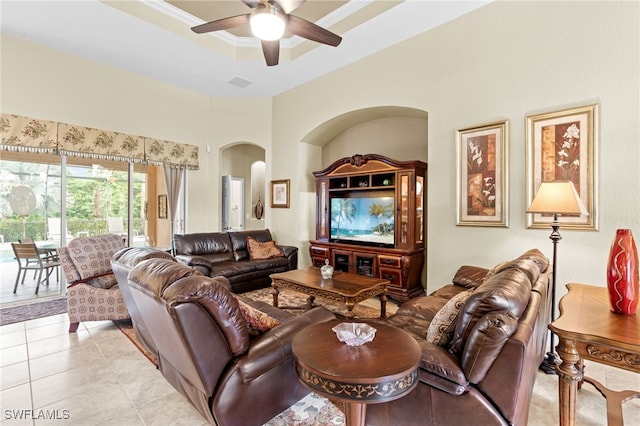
(343, 210)
(381, 210)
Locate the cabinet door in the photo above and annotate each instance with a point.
(323, 228)
(366, 264)
(342, 260)
(404, 210)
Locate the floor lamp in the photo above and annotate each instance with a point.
(556, 198)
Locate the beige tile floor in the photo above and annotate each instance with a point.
(97, 377)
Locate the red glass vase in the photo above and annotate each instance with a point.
(622, 273)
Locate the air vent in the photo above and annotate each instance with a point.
(240, 82)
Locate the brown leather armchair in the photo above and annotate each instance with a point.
(204, 347)
(485, 374)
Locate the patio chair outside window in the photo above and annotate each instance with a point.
(54, 230)
(29, 258)
(116, 226)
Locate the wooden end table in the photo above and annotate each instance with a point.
(349, 289)
(587, 329)
(379, 371)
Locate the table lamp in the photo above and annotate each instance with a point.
(556, 198)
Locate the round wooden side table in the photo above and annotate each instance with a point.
(382, 370)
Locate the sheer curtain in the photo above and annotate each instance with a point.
(173, 180)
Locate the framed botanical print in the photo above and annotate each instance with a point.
(563, 145)
(482, 175)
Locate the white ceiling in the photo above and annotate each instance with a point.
(153, 38)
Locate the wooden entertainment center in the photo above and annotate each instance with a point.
(370, 220)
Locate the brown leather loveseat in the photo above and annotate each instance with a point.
(226, 254)
(478, 367)
(228, 355)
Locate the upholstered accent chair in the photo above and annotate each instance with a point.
(92, 290)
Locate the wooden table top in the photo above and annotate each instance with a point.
(342, 283)
(585, 314)
(390, 354)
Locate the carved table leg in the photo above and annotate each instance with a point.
(350, 313)
(274, 292)
(383, 305)
(310, 301)
(569, 374)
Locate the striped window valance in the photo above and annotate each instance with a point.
(32, 135)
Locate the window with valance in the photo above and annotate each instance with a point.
(27, 134)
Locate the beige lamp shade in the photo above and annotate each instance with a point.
(558, 197)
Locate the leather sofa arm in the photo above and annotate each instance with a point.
(442, 370)
(274, 346)
(291, 253)
(197, 262)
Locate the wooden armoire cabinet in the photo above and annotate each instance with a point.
(370, 220)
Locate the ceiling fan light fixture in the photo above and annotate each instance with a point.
(267, 23)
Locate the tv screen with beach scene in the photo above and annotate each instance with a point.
(363, 218)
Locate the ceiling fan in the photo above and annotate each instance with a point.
(268, 20)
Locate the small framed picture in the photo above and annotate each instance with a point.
(162, 207)
(280, 193)
(482, 175)
(563, 145)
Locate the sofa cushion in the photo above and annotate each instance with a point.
(105, 281)
(469, 276)
(257, 321)
(485, 343)
(91, 257)
(155, 275)
(443, 323)
(263, 250)
(509, 290)
(239, 241)
(213, 295)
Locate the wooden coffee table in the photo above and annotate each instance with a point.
(344, 287)
(379, 371)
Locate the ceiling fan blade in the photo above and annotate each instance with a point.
(222, 24)
(309, 30)
(251, 3)
(288, 6)
(271, 50)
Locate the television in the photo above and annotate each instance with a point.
(363, 218)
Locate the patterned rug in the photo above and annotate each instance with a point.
(32, 311)
(288, 299)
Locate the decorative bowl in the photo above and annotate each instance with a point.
(354, 333)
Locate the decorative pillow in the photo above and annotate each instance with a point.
(257, 321)
(443, 324)
(263, 250)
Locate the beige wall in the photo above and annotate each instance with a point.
(503, 61)
(400, 138)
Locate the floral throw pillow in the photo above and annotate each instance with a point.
(443, 324)
(263, 250)
(257, 321)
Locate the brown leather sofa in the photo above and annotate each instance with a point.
(225, 254)
(195, 326)
(485, 374)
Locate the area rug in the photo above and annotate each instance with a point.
(32, 311)
(288, 299)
